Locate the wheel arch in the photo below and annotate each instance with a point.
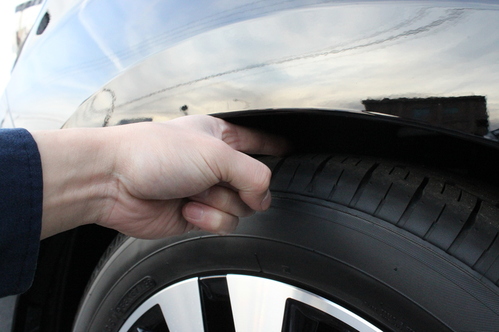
(65, 264)
(312, 130)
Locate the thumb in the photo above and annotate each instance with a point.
(249, 177)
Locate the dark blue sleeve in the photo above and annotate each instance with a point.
(21, 190)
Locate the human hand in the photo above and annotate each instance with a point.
(151, 180)
(188, 173)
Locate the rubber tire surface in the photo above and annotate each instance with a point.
(407, 248)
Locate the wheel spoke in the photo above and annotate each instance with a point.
(256, 304)
(180, 304)
(259, 304)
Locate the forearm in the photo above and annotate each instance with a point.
(77, 172)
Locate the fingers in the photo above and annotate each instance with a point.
(252, 141)
(216, 210)
(237, 137)
(248, 176)
(224, 199)
(209, 219)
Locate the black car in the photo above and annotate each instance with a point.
(384, 218)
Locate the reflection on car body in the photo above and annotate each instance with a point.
(467, 114)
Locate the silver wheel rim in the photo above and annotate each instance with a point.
(257, 304)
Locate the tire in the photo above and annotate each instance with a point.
(349, 244)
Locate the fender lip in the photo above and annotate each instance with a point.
(100, 111)
(406, 126)
(359, 133)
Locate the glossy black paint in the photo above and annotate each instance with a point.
(153, 59)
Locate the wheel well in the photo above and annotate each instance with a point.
(66, 262)
(316, 131)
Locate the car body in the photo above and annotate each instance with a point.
(400, 80)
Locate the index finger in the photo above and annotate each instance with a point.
(252, 141)
(248, 176)
(240, 138)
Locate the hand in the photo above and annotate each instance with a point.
(152, 180)
(186, 174)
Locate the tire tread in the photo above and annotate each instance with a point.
(444, 211)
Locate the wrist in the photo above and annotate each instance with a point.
(77, 167)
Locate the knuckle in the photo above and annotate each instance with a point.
(262, 180)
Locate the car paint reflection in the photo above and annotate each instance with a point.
(255, 55)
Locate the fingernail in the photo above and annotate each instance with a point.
(195, 211)
(266, 201)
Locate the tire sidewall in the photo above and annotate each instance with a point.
(388, 276)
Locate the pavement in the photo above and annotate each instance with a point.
(6, 312)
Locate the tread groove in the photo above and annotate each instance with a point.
(311, 185)
(362, 184)
(443, 188)
(432, 227)
(290, 183)
(413, 202)
(468, 224)
(278, 166)
(331, 193)
(380, 205)
(485, 252)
